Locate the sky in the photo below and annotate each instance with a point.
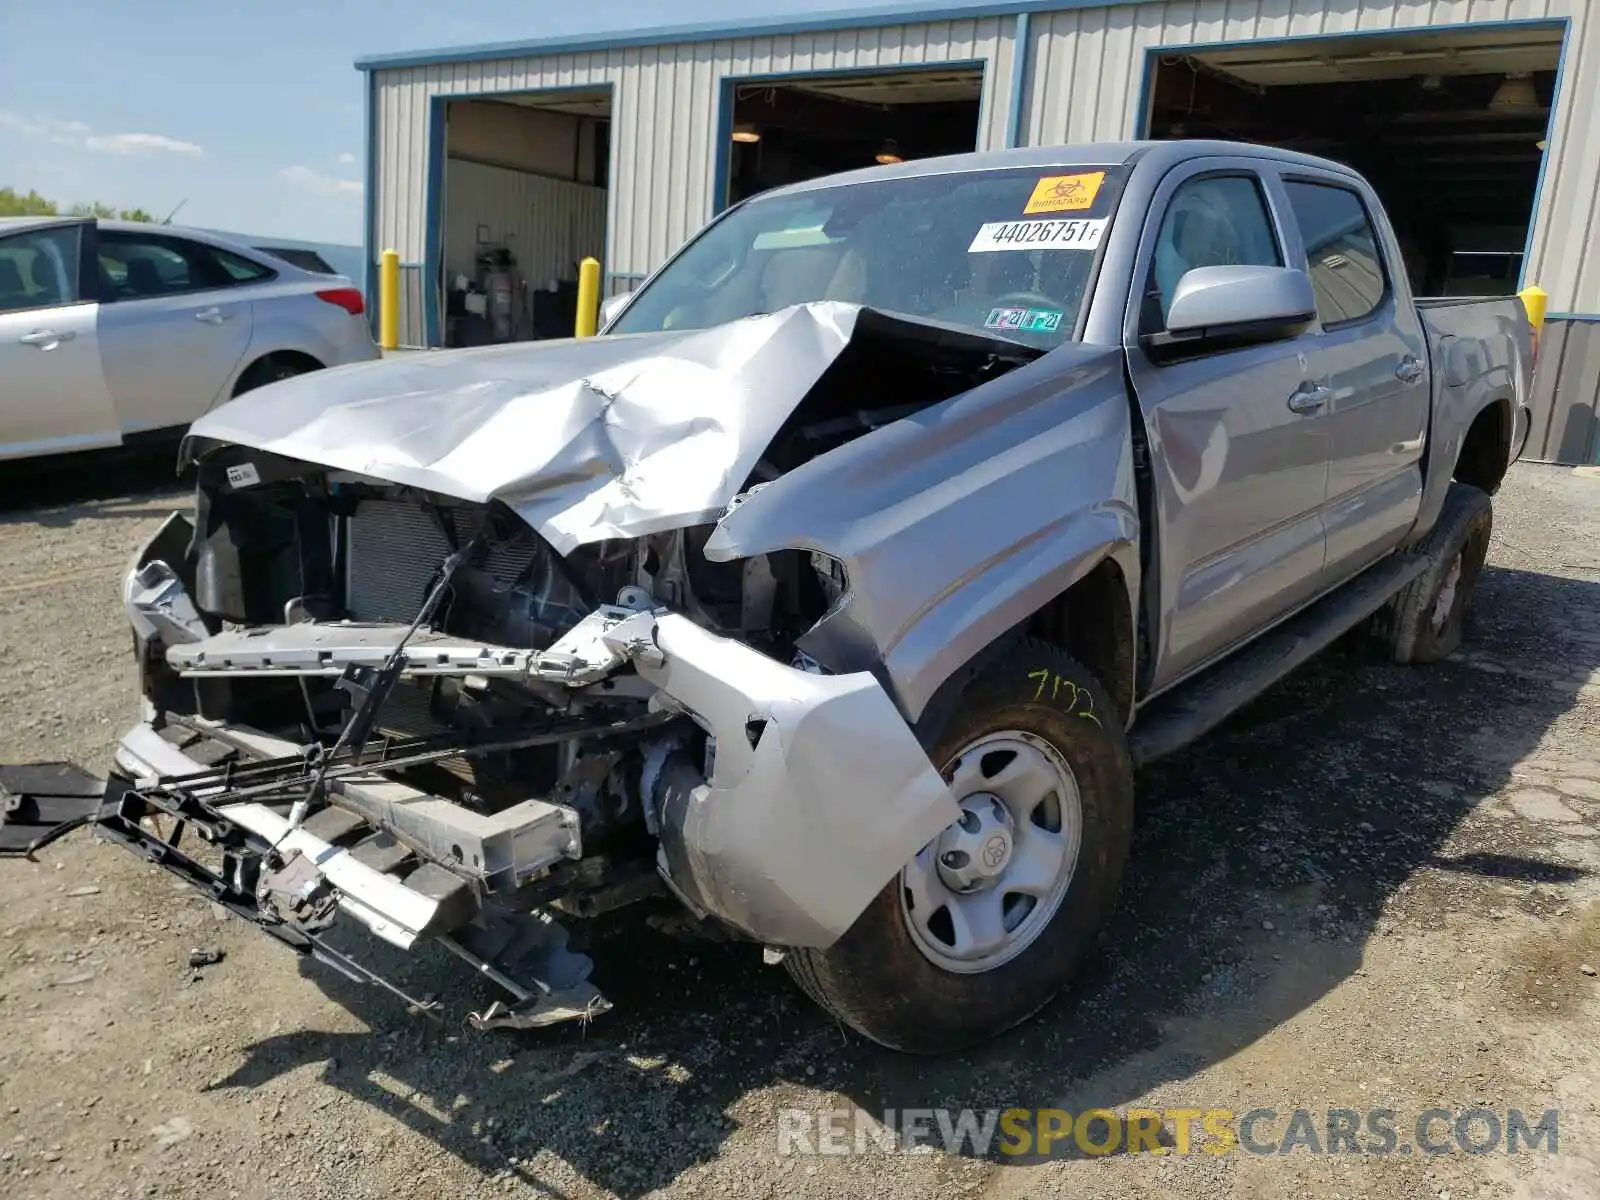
(247, 113)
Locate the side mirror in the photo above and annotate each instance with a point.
(612, 305)
(1239, 304)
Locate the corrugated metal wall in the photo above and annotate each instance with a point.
(549, 224)
(1086, 72)
(1566, 423)
(665, 117)
(1084, 82)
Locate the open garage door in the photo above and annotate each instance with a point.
(525, 197)
(1449, 127)
(800, 128)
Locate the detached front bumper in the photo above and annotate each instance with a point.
(289, 882)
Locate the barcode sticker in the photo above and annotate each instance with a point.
(1080, 234)
(243, 475)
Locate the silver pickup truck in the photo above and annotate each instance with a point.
(830, 598)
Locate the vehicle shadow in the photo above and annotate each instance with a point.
(1308, 809)
(48, 491)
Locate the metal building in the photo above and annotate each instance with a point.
(1477, 120)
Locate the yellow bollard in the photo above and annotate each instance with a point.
(1535, 299)
(389, 300)
(588, 298)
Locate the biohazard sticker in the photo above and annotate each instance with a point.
(1023, 320)
(1065, 193)
(1071, 234)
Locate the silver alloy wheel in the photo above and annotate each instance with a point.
(1446, 602)
(980, 893)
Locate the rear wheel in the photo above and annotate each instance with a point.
(1427, 620)
(273, 368)
(988, 922)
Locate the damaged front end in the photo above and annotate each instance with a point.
(372, 698)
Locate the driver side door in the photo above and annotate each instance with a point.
(1239, 448)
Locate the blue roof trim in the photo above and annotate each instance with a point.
(709, 31)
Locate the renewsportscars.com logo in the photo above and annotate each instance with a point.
(1058, 1133)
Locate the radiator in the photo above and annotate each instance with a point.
(396, 549)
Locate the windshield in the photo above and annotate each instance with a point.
(1009, 252)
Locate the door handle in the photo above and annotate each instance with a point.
(211, 316)
(1309, 399)
(47, 339)
(1409, 371)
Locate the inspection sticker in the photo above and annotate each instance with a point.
(1024, 320)
(244, 475)
(1070, 234)
(1065, 193)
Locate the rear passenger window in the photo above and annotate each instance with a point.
(137, 267)
(1341, 252)
(1216, 221)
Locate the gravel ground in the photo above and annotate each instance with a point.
(1375, 888)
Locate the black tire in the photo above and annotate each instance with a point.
(1405, 626)
(270, 370)
(877, 981)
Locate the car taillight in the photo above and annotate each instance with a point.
(348, 299)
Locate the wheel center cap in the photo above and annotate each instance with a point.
(974, 852)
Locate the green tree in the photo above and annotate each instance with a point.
(14, 204)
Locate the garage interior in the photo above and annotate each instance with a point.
(525, 196)
(794, 130)
(1449, 127)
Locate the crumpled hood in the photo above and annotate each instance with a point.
(585, 439)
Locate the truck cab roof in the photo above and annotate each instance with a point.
(1160, 154)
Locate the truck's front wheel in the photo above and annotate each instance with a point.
(988, 921)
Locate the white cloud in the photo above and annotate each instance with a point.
(347, 159)
(316, 181)
(139, 143)
(82, 137)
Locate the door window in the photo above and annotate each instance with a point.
(138, 266)
(1342, 255)
(1212, 221)
(39, 268)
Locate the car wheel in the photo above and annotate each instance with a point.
(270, 370)
(1426, 621)
(989, 921)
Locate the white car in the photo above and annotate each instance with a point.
(113, 331)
